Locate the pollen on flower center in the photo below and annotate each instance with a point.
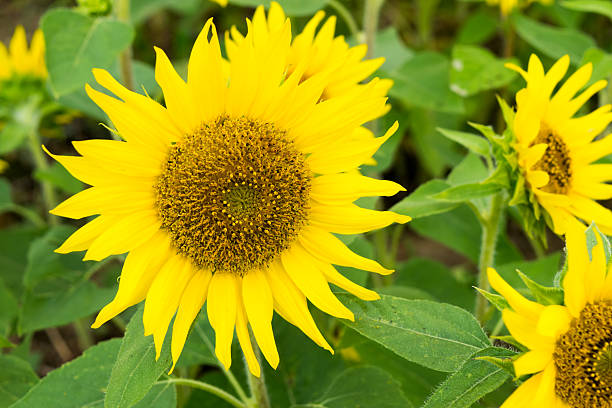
(583, 359)
(233, 195)
(555, 161)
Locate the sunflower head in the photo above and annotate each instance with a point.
(569, 345)
(553, 152)
(231, 193)
(19, 61)
(507, 6)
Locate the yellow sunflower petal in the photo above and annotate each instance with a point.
(554, 320)
(191, 303)
(259, 306)
(525, 331)
(523, 396)
(545, 395)
(335, 277)
(307, 276)
(328, 248)
(139, 270)
(529, 309)
(344, 188)
(573, 85)
(351, 219)
(532, 362)
(290, 302)
(18, 48)
(82, 238)
(244, 339)
(221, 308)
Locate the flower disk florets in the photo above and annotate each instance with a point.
(555, 161)
(234, 194)
(583, 359)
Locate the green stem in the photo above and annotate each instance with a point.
(259, 392)
(370, 27)
(125, 59)
(498, 327)
(28, 214)
(49, 197)
(224, 395)
(230, 376)
(490, 232)
(84, 336)
(346, 16)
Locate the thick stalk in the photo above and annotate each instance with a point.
(211, 389)
(259, 392)
(48, 193)
(490, 232)
(125, 59)
(346, 15)
(370, 27)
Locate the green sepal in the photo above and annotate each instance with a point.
(512, 341)
(499, 177)
(543, 295)
(507, 112)
(519, 196)
(496, 300)
(591, 239)
(507, 364)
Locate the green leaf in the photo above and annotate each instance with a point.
(8, 309)
(199, 347)
(16, 378)
(552, 41)
(472, 381)
(603, 7)
(57, 175)
(390, 46)
(160, 396)
(76, 43)
(470, 141)
(56, 286)
(435, 335)
(79, 383)
(421, 202)
(498, 301)
(135, 370)
(593, 236)
(478, 28)
(5, 195)
(12, 136)
(423, 82)
(467, 192)
(291, 7)
(602, 64)
(140, 10)
(475, 69)
(15, 242)
(543, 295)
(363, 386)
(437, 280)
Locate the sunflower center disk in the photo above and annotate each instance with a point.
(233, 195)
(583, 358)
(555, 161)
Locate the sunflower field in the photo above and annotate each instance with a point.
(305, 203)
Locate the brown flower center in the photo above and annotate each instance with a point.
(583, 359)
(555, 161)
(233, 195)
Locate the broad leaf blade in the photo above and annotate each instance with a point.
(435, 335)
(16, 378)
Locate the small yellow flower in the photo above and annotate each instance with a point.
(231, 193)
(556, 150)
(506, 6)
(570, 345)
(19, 60)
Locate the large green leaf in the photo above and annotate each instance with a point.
(552, 41)
(421, 202)
(291, 7)
(478, 28)
(16, 378)
(57, 175)
(56, 286)
(135, 370)
(15, 242)
(436, 335)
(364, 386)
(603, 7)
(471, 382)
(423, 82)
(475, 69)
(390, 46)
(76, 384)
(8, 308)
(472, 142)
(76, 43)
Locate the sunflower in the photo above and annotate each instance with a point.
(506, 6)
(570, 345)
(556, 150)
(231, 193)
(18, 60)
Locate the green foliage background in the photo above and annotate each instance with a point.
(420, 345)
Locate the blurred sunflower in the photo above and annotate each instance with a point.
(556, 150)
(570, 346)
(230, 194)
(320, 51)
(506, 6)
(18, 60)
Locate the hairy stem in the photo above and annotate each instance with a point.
(48, 193)
(346, 16)
(490, 232)
(125, 59)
